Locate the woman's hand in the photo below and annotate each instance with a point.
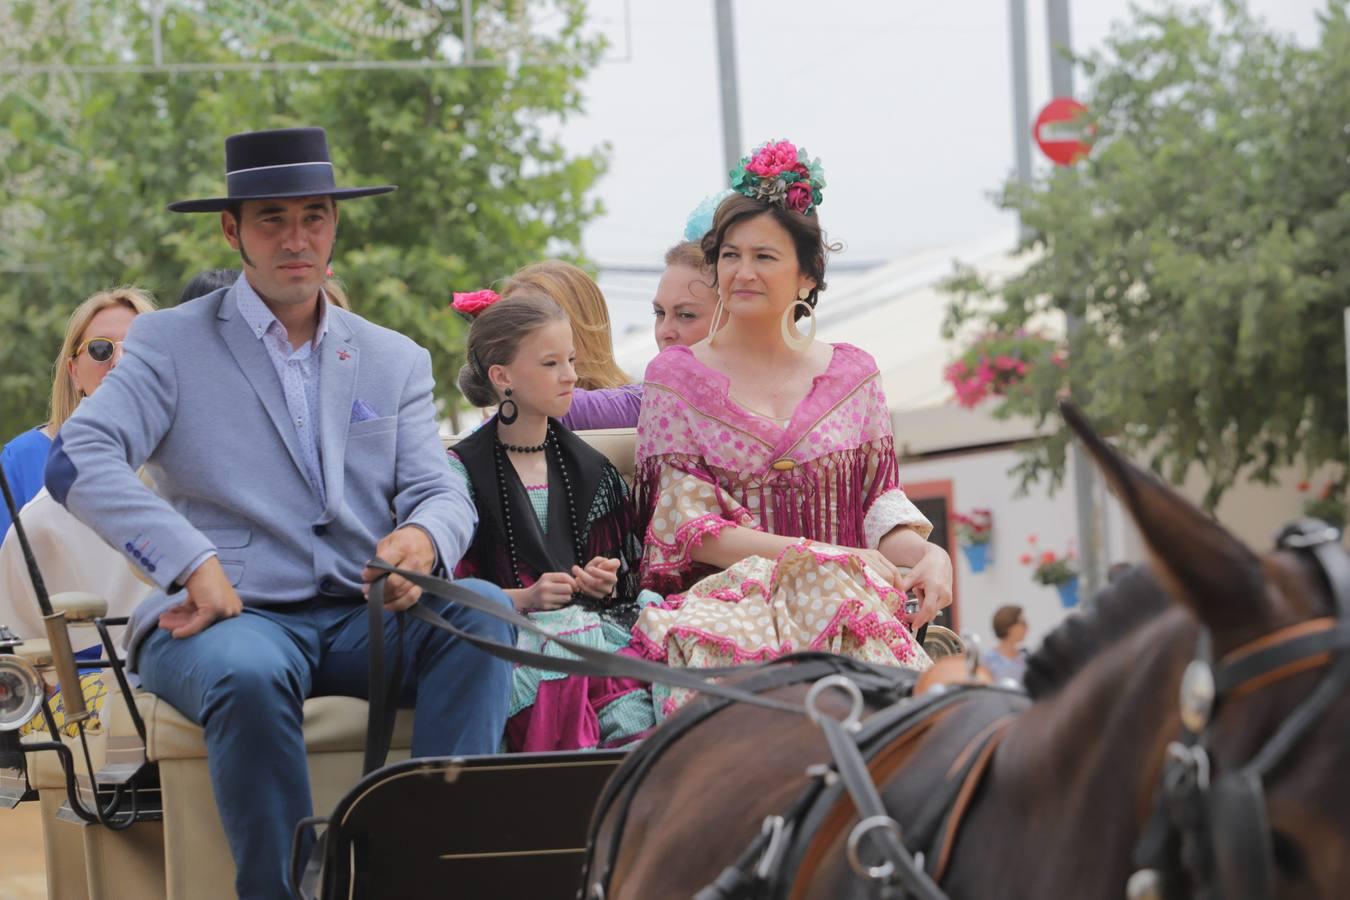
(931, 582)
(881, 565)
(598, 578)
(553, 590)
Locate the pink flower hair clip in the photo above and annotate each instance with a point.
(471, 303)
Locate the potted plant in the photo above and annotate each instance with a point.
(974, 533)
(1328, 505)
(995, 363)
(1059, 571)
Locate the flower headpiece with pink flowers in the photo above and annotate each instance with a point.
(470, 303)
(780, 173)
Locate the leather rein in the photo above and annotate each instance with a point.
(1210, 837)
(877, 835)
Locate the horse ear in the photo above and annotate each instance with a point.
(1205, 566)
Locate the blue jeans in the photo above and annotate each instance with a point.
(245, 680)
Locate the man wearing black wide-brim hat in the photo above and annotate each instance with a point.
(281, 432)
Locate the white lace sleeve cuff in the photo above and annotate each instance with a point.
(893, 510)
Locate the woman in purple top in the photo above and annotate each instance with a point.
(683, 307)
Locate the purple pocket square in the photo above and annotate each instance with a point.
(361, 412)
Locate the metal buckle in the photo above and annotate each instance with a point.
(1307, 533)
(773, 827)
(1194, 760)
(852, 721)
(884, 871)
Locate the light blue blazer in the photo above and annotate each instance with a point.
(197, 401)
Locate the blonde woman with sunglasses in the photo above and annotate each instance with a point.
(92, 347)
(71, 557)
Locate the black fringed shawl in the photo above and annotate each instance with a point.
(605, 513)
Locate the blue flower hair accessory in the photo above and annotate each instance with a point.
(700, 220)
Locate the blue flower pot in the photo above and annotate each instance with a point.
(977, 555)
(1068, 592)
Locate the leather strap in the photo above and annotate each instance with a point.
(589, 661)
(1250, 666)
(853, 773)
(1236, 809)
(382, 693)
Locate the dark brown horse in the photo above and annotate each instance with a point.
(1071, 784)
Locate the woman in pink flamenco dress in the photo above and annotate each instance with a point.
(768, 492)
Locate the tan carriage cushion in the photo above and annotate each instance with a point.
(331, 724)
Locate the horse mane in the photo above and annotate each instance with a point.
(1132, 599)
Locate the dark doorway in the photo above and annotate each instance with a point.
(935, 508)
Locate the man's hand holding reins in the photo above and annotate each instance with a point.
(409, 548)
(210, 596)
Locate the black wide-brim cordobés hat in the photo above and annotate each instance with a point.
(273, 165)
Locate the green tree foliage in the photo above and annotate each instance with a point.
(87, 161)
(1205, 245)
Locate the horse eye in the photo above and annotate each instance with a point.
(1289, 858)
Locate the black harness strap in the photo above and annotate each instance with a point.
(382, 693)
(1211, 838)
(885, 685)
(589, 661)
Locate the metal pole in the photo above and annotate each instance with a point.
(726, 68)
(1021, 97)
(1090, 537)
(1061, 44)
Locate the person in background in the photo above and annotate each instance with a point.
(92, 346)
(683, 308)
(206, 281)
(685, 298)
(69, 555)
(1008, 659)
(608, 396)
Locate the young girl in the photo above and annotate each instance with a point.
(556, 526)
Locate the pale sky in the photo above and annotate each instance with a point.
(908, 104)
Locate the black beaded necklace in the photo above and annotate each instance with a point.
(537, 448)
(499, 462)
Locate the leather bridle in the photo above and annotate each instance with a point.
(1209, 836)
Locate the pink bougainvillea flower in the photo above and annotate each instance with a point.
(1026, 559)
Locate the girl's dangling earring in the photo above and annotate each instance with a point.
(794, 339)
(506, 418)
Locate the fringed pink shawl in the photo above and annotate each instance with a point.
(705, 464)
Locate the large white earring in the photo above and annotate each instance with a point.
(794, 339)
(717, 317)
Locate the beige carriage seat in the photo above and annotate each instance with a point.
(195, 860)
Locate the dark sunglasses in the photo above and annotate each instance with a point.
(100, 349)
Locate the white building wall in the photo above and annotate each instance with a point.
(981, 480)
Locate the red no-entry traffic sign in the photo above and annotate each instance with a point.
(1062, 132)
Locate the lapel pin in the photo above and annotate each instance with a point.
(343, 355)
